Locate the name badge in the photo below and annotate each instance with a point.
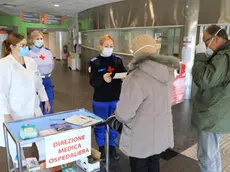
(101, 70)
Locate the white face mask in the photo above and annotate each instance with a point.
(107, 52)
(39, 43)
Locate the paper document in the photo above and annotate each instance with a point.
(120, 75)
(47, 132)
(81, 120)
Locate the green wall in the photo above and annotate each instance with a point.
(85, 24)
(22, 26)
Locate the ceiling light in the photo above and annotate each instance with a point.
(9, 5)
(56, 5)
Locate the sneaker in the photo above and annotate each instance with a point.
(102, 151)
(113, 153)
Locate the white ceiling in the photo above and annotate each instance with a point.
(66, 7)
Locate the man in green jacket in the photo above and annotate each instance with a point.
(211, 109)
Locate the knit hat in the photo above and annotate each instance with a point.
(144, 44)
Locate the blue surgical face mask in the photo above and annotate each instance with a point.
(209, 52)
(23, 51)
(39, 43)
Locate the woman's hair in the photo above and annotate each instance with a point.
(13, 40)
(105, 38)
(33, 35)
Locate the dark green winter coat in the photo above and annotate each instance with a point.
(211, 109)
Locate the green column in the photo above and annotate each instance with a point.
(22, 29)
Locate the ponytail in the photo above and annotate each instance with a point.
(11, 40)
(5, 48)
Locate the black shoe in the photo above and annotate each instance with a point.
(113, 153)
(102, 151)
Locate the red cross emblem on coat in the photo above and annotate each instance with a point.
(42, 57)
(110, 69)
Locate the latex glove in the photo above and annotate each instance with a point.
(201, 48)
(107, 77)
(47, 107)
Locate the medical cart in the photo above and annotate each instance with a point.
(12, 129)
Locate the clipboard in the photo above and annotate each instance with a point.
(81, 120)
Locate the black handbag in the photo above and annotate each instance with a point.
(114, 124)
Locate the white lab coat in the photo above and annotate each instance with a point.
(18, 90)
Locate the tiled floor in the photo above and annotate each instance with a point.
(72, 90)
(224, 149)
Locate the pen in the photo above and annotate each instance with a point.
(57, 119)
(91, 117)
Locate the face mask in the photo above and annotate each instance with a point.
(39, 43)
(107, 52)
(23, 51)
(209, 51)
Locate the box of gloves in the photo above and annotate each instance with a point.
(90, 163)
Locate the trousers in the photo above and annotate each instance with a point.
(208, 152)
(150, 164)
(104, 110)
(47, 82)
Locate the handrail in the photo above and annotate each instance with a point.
(132, 28)
(149, 27)
(118, 53)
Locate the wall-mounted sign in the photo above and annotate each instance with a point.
(187, 41)
(178, 86)
(30, 17)
(51, 19)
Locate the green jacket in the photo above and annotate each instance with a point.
(211, 108)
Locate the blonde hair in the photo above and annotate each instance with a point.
(104, 38)
(33, 35)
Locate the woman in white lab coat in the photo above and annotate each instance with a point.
(20, 85)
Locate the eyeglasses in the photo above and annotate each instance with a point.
(208, 39)
(21, 45)
(206, 42)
